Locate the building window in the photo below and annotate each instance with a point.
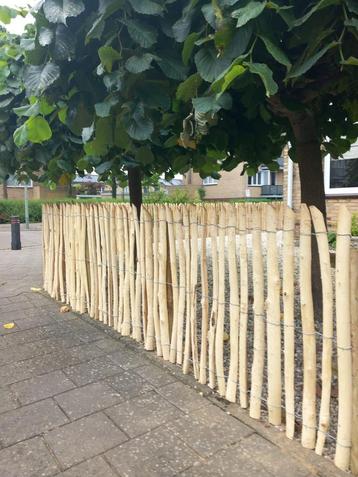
(263, 177)
(13, 182)
(341, 175)
(210, 181)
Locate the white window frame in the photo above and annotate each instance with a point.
(257, 178)
(210, 181)
(332, 191)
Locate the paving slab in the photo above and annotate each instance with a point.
(96, 467)
(143, 413)
(183, 396)
(155, 454)
(7, 400)
(129, 384)
(98, 368)
(28, 459)
(29, 421)
(42, 387)
(156, 376)
(208, 430)
(84, 438)
(88, 399)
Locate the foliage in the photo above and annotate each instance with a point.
(128, 82)
(275, 63)
(355, 225)
(174, 197)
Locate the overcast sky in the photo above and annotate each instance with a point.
(18, 24)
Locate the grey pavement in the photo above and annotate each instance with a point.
(77, 400)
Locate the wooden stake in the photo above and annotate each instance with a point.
(354, 315)
(244, 296)
(259, 315)
(212, 216)
(182, 283)
(204, 299)
(162, 293)
(308, 438)
(327, 294)
(174, 281)
(273, 321)
(234, 305)
(344, 350)
(289, 316)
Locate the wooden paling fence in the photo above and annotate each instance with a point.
(225, 291)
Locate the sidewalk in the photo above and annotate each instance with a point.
(76, 400)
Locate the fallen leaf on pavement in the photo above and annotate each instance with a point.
(9, 326)
(35, 289)
(65, 309)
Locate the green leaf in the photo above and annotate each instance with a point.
(352, 60)
(20, 136)
(276, 52)
(172, 68)
(57, 11)
(63, 47)
(188, 47)
(38, 129)
(138, 125)
(138, 64)
(38, 78)
(62, 114)
(141, 33)
(87, 133)
(146, 7)
(249, 12)
(103, 109)
(45, 36)
(121, 138)
(318, 6)
(265, 74)
(208, 65)
(104, 167)
(212, 104)
(189, 88)
(300, 68)
(28, 110)
(45, 107)
(7, 14)
(108, 56)
(144, 155)
(223, 83)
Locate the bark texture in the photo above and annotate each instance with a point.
(135, 187)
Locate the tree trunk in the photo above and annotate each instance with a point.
(135, 187)
(308, 156)
(114, 188)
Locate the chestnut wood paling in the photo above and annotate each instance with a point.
(308, 437)
(145, 278)
(257, 373)
(327, 302)
(273, 325)
(344, 343)
(288, 289)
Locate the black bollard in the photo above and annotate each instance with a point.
(15, 233)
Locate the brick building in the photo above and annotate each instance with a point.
(341, 182)
(15, 190)
(235, 185)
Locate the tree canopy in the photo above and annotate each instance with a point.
(165, 85)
